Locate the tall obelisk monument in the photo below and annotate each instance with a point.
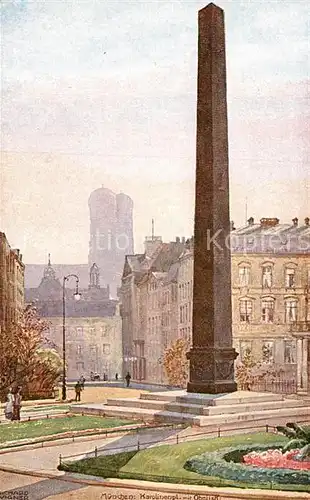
(212, 356)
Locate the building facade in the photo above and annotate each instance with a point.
(11, 284)
(149, 307)
(270, 300)
(271, 283)
(93, 324)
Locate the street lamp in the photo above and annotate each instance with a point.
(77, 297)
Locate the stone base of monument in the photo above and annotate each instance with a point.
(246, 409)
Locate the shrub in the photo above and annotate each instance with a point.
(225, 464)
(299, 438)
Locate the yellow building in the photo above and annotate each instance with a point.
(270, 301)
(12, 272)
(270, 291)
(92, 345)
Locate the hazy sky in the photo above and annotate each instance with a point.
(104, 93)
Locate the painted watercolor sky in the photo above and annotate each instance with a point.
(104, 93)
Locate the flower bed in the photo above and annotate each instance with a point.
(275, 459)
(227, 464)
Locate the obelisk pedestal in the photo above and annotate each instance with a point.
(212, 356)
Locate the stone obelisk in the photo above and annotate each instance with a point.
(212, 356)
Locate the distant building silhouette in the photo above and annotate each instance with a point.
(93, 324)
(111, 234)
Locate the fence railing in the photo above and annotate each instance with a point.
(66, 461)
(88, 434)
(300, 326)
(276, 386)
(177, 439)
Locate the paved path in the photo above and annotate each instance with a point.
(47, 459)
(34, 488)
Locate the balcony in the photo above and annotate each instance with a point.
(300, 327)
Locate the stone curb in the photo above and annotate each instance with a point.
(218, 493)
(54, 439)
(42, 402)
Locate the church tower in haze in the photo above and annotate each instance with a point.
(111, 234)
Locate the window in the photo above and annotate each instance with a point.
(267, 276)
(267, 310)
(106, 349)
(267, 352)
(104, 331)
(79, 330)
(245, 310)
(80, 366)
(245, 348)
(290, 278)
(92, 331)
(289, 351)
(244, 276)
(79, 350)
(93, 351)
(290, 311)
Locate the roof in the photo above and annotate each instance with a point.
(172, 274)
(169, 254)
(34, 273)
(277, 239)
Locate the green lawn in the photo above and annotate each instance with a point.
(165, 463)
(47, 427)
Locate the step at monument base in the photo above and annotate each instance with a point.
(226, 411)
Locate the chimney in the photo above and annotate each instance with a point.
(269, 222)
(295, 221)
(177, 239)
(307, 220)
(232, 226)
(183, 240)
(251, 221)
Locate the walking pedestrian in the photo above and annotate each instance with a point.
(116, 376)
(128, 378)
(78, 389)
(8, 410)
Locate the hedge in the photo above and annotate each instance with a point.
(225, 464)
